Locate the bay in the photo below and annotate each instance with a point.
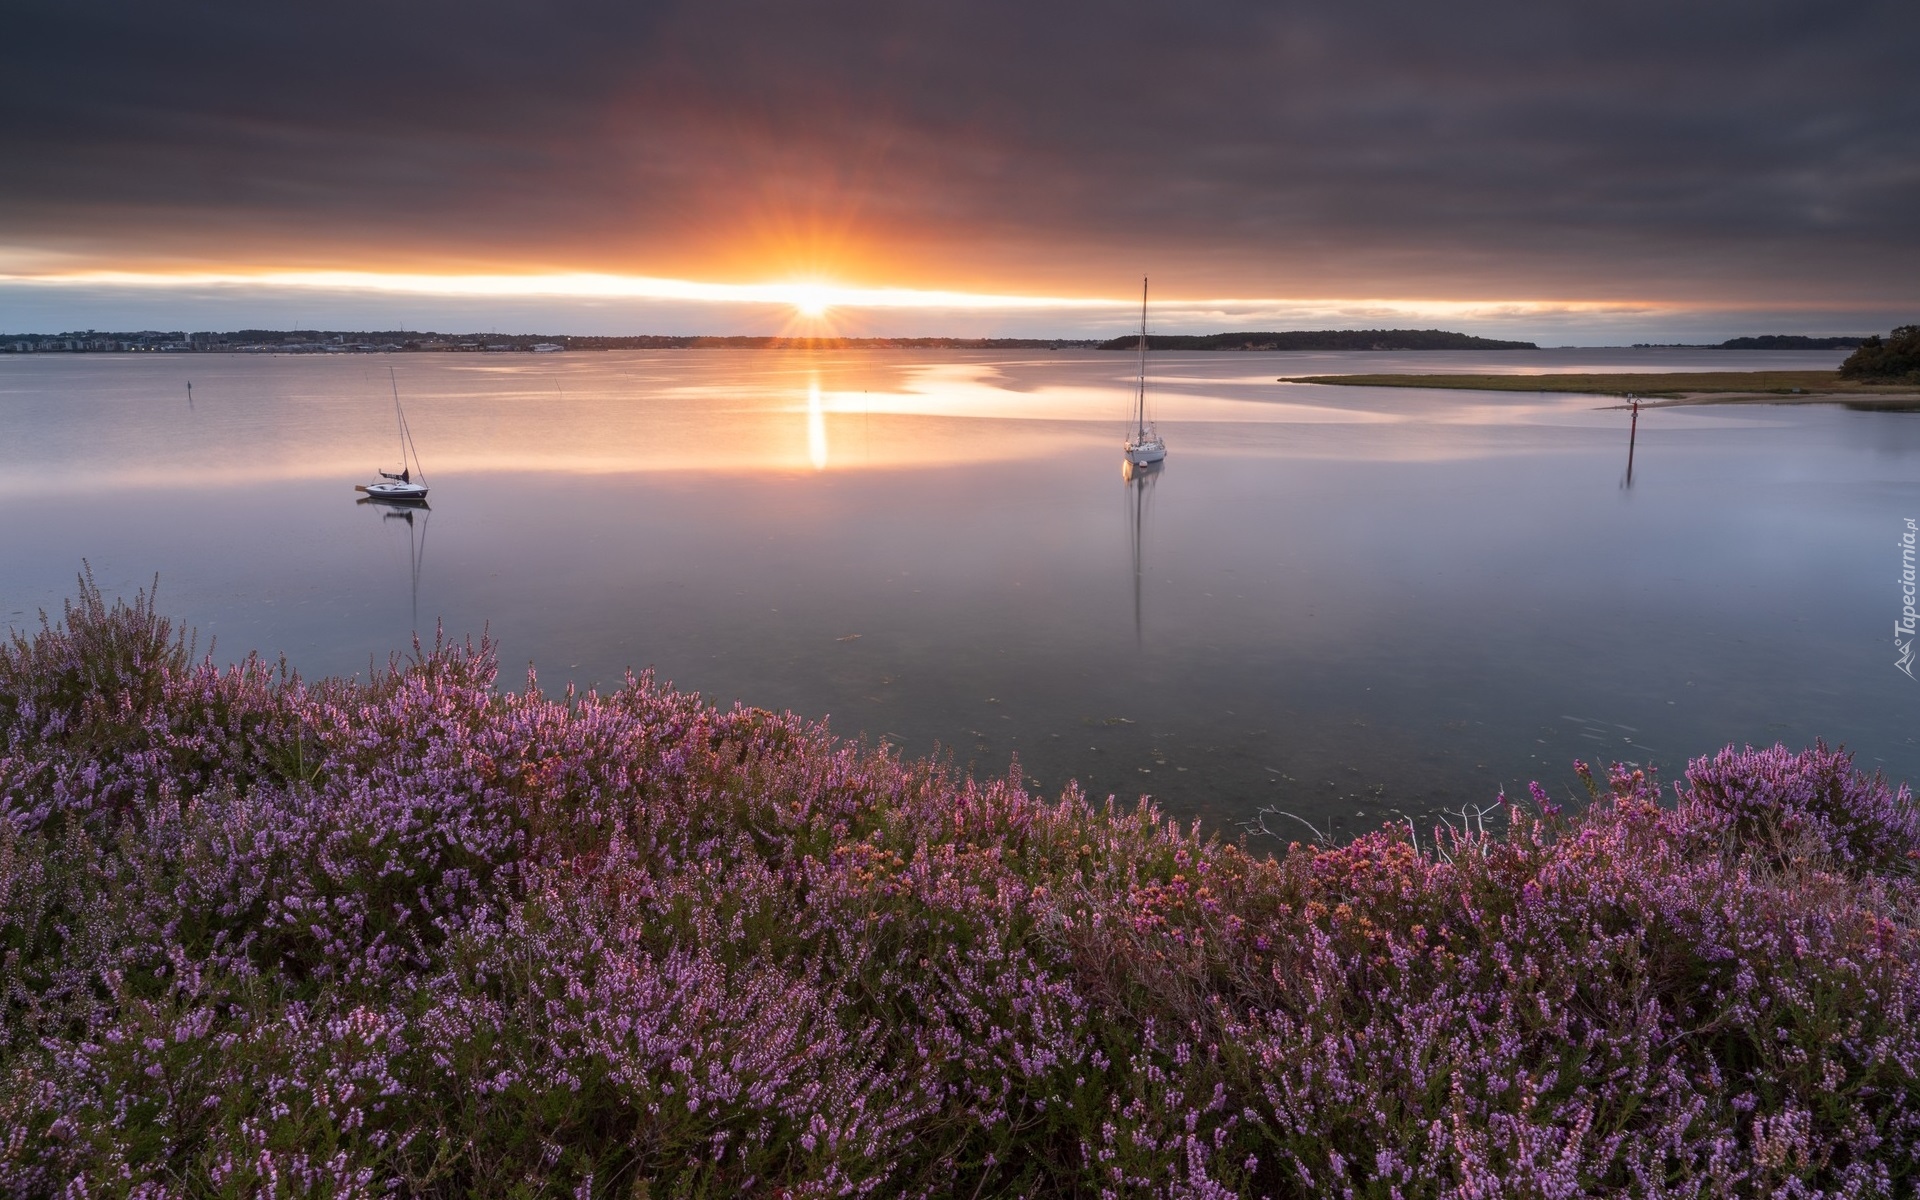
(1353, 604)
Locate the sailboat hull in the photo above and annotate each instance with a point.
(395, 491)
(1142, 453)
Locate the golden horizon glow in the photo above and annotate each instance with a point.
(814, 298)
(809, 297)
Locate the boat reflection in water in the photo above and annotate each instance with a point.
(407, 511)
(1139, 478)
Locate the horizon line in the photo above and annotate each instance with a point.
(816, 294)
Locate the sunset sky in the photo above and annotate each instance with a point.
(1573, 173)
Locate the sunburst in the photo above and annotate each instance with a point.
(811, 300)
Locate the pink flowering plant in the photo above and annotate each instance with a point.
(421, 936)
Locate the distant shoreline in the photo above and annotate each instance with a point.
(1664, 389)
(312, 341)
(309, 341)
(256, 341)
(1318, 339)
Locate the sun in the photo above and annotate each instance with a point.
(810, 300)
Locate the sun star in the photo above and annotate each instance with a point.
(810, 300)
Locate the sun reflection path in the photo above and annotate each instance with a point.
(816, 426)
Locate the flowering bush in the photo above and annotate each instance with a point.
(418, 936)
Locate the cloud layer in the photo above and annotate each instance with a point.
(1760, 151)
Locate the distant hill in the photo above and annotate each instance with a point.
(1323, 339)
(1789, 341)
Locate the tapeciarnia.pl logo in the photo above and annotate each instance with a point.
(1903, 628)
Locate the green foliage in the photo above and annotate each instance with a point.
(1895, 360)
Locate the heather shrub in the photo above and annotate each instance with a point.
(1782, 805)
(99, 665)
(421, 936)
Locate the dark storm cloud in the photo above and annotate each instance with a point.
(1469, 148)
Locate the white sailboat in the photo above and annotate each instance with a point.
(403, 486)
(1144, 444)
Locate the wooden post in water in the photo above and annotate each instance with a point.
(1633, 435)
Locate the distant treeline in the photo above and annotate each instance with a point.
(1765, 341)
(1322, 339)
(1789, 341)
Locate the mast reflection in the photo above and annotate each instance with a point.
(1139, 478)
(401, 510)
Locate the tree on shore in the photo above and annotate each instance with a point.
(1896, 359)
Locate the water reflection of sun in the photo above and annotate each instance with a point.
(816, 426)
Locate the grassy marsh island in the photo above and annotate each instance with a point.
(1878, 374)
(421, 936)
(1685, 387)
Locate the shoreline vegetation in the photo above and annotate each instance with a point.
(418, 935)
(1895, 359)
(1665, 388)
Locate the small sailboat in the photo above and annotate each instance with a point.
(1144, 444)
(401, 487)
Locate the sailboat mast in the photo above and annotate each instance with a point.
(1140, 386)
(399, 421)
(406, 432)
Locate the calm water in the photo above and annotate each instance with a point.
(1345, 602)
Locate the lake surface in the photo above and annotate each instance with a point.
(1348, 603)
